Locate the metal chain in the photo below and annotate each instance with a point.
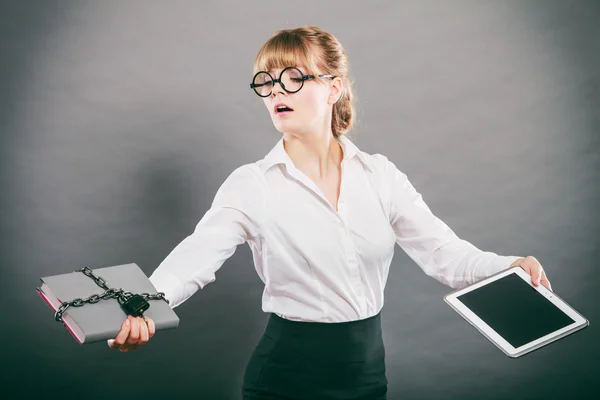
(110, 293)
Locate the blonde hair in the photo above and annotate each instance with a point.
(321, 53)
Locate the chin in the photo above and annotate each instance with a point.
(286, 127)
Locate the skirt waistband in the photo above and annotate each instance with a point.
(352, 341)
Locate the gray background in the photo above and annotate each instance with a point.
(119, 121)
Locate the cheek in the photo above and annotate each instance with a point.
(313, 103)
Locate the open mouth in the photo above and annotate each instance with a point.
(282, 108)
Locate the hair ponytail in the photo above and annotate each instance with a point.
(343, 111)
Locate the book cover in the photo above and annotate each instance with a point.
(102, 320)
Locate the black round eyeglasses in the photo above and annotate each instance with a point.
(291, 80)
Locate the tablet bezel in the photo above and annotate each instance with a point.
(493, 336)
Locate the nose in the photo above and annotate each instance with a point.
(277, 88)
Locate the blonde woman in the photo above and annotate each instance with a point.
(322, 218)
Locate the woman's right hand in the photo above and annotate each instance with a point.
(135, 332)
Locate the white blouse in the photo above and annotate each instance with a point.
(319, 264)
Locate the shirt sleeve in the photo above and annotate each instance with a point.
(233, 219)
(429, 241)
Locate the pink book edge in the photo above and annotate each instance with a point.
(54, 309)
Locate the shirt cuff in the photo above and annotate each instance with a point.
(168, 284)
(501, 264)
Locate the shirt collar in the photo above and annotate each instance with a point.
(278, 155)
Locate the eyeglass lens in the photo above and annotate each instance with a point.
(291, 81)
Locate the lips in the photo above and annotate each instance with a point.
(282, 108)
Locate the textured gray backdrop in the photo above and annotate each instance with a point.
(120, 119)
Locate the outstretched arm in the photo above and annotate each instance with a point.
(234, 218)
(429, 241)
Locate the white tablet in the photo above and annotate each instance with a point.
(513, 314)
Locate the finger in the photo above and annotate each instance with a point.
(151, 327)
(143, 331)
(536, 275)
(545, 281)
(122, 335)
(134, 334)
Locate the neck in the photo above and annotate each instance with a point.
(318, 155)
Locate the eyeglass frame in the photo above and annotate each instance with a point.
(303, 79)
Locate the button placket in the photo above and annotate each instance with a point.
(351, 258)
(349, 249)
(353, 267)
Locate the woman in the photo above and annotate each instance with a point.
(322, 219)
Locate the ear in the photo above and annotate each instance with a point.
(337, 88)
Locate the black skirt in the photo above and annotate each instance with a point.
(297, 360)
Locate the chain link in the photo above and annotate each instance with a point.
(109, 293)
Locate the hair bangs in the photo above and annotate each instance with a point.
(285, 49)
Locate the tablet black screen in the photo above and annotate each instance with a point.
(518, 312)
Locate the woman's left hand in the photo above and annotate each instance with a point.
(532, 266)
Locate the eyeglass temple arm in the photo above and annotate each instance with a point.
(305, 77)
